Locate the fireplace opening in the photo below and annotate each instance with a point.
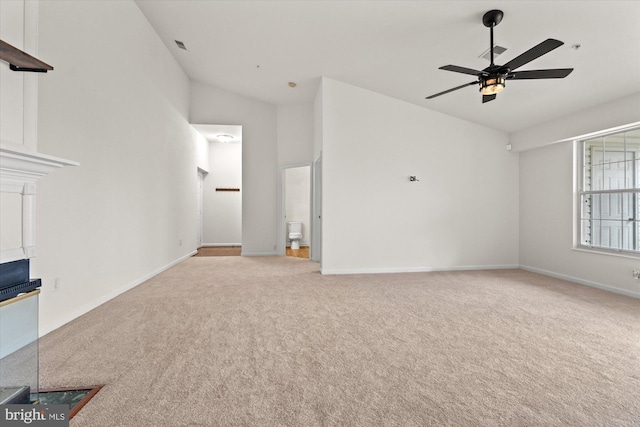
(15, 280)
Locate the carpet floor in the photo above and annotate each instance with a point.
(269, 341)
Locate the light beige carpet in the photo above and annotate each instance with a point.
(237, 341)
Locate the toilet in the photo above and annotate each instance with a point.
(295, 234)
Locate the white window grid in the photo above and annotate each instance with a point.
(609, 192)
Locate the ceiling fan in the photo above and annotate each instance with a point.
(492, 79)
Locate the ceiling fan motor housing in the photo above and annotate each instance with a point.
(492, 84)
(493, 79)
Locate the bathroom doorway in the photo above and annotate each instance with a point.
(296, 210)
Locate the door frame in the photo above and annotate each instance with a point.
(200, 206)
(315, 250)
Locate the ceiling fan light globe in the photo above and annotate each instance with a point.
(492, 86)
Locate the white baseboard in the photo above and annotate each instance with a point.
(69, 316)
(274, 253)
(214, 245)
(416, 269)
(582, 281)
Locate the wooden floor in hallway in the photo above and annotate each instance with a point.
(303, 252)
(219, 251)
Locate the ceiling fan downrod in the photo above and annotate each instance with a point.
(491, 19)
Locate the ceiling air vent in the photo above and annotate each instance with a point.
(497, 50)
(180, 45)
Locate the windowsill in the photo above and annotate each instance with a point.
(605, 252)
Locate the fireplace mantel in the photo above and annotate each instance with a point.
(19, 171)
(20, 167)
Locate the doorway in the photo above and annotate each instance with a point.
(296, 209)
(220, 202)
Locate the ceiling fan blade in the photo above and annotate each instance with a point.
(535, 52)
(487, 98)
(463, 70)
(451, 90)
(558, 73)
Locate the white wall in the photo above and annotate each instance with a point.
(462, 213)
(295, 134)
(546, 218)
(317, 123)
(260, 209)
(117, 102)
(298, 199)
(202, 152)
(223, 209)
(606, 116)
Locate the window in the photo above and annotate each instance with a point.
(609, 192)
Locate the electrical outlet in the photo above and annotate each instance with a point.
(180, 242)
(636, 274)
(56, 284)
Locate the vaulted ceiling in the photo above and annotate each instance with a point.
(255, 48)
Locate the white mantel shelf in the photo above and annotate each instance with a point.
(19, 167)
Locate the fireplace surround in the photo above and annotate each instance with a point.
(19, 297)
(21, 166)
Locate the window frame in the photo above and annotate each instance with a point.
(580, 154)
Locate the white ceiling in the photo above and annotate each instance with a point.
(254, 48)
(211, 132)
